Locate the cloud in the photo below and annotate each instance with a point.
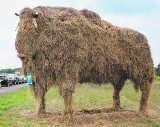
(9, 23)
(128, 7)
(9, 59)
(78, 4)
(139, 15)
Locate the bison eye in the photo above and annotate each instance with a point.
(34, 56)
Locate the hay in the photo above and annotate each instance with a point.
(64, 46)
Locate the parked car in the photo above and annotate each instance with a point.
(17, 80)
(11, 79)
(4, 80)
(22, 79)
(0, 83)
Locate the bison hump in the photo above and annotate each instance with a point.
(91, 16)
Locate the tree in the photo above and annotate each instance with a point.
(158, 70)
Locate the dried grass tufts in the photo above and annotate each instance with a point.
(64, 46)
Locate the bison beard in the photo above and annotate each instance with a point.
(64, 46)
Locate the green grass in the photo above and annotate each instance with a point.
(157, 77)
(10, 100)
(157, 80)
(17, 109)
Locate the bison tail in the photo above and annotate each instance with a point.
(136, 87)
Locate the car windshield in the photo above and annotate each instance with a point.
(2, 77)
(11, 75)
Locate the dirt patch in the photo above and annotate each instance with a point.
(92, 117)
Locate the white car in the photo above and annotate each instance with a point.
(22, 79)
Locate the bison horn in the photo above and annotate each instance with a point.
(34, 22)
(16, 14)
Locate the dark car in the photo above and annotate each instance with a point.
(4, 80)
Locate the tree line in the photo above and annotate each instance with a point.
(9, 70)
(157, 70)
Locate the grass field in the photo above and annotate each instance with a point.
(157, 80)
(18, 109)
(157, 77)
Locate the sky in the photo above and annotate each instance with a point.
(142, 16)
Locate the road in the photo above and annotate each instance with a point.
(13, 88)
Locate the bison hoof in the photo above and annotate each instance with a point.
(144, 111)
(68, 119)
(40, 114)
(116, 108)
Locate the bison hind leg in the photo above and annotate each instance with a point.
(144, 97)
(136, 87)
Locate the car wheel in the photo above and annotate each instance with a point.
(7, 84)
(10, 83)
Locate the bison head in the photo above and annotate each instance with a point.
(27, 19)
(26, 37)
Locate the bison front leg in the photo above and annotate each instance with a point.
(144, 97)
(40, 104)
(68, 112)
(39, 94)
(66, 92)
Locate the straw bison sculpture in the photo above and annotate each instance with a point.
(65, 46)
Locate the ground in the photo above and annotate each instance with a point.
(91, 108)
(103, 117)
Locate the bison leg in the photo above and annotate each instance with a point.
(144, 97)
(68, 112)
(41, 104)
(66, 91)
(39, 95)
(116, 97)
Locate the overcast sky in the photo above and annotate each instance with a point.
(140, 15)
